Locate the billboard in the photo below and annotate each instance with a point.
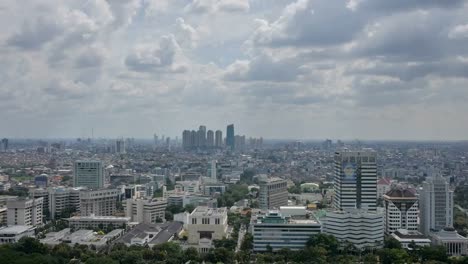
(349, 172)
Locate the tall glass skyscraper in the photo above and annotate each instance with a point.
(230, 141)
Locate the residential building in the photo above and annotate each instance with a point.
(14, 233)
(24, 211)
(63, 200)
(436, 205)
(210, 139)
(205, 225)
(273, 193)
(99, 202)
(401, 210)
(408, 238)
(218, 139)
(456, 245)
(148, 211)
(355, 180)
(362, 228)
(230, 138)
(88, 174)
(289, 227)
(94, 222)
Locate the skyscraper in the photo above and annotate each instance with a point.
(401, 210)
(4, 146)
(89, 174)
(120, 146)
(186, 139)
(355, 182)
(230, 141)
(202, 136)
(210, 139)
(273, 193)
(219, 139)
(436, 205)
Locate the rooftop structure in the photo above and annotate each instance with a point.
(151, 234)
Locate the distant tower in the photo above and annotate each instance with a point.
(436, 205)
(355, 181)
(202, 136)
(120, 146)
(213, 170)
(230, 141)
(210, 139)
(186, 139)
(155, 137)
(4, 146)
(219, 139)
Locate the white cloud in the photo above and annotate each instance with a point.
(459, 32)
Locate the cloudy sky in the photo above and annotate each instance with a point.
(309, 69)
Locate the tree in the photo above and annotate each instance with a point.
(393, 256)
(437, 253)
(328, 242)
(189, 208)
(392, 243)
(30, 245)
(247, 243)
(191, 254)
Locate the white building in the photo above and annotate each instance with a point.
(361, 228)
(94, 222)
(455, 244)
(355, 180)
(406, 238)
(26, 212)
(81, 237)
(14, 233)
(148, 211)
(88, 174)
(289, 227)
(436, 205)
(205, 225)
(273, 193)
(401, 210)
(98, 202)
(61, 199)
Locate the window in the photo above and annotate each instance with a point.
(194, 221)
(205, 221)
(217, 221)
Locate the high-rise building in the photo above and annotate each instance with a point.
(23, 211)
(210, 139)
(88, 174)
(201, 136)
(219, 139)
(120, 146)
(273, 193)
(213, 170)
(230, 138)
(355, 181)
(194, 142)
(4, 146)
(186, 139)
(401, 210)
(436, 205)
(98, 202)
(148, 211)
(62, 200)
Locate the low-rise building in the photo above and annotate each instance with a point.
(406, 238)
(456, 244)
(151, 234)
(14, 233)
(81, 237)
(289, 227)
(94, 222)
(205, 225)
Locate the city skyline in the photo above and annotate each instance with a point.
(284, 69)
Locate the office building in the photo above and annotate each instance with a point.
(289, 227)
(213, 188)
(218, 139)
(186, 139)
(435, 205)
(210, 139)
(205, 225)
(88, 174)
(12, 234)
(148, 211)
(230, 138)
(355, 180)
(407, 238)
(95, 222)
(4, 145)
(44, 194)
(98, 202)
(23, 211)
(401, 210)
(273, 193)
(120, 146)
(362, 228)
(41, 181)
(63, 200)
(455, 244)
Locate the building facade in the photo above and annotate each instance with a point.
(205, 225)
(13, 234)
(98, 202)
(94, 222)
(401, 210)
(455, 244)
(27, 212)
(436, 205)
(230, 138)
(355, 180)
(273, 193)
(88, 174)
(148, 211)
(361, 228)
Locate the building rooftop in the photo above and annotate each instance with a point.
(206, 211)
(161, 232)
(94, 217)
(405, 234)
(15, 229)
(400, 193)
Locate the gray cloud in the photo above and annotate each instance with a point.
(33, 35)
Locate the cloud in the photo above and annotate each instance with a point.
(186, 34)
(33, 35)
(211, 6)
(147, 57)
(459, 32)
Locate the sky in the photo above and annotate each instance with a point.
(290, 69)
